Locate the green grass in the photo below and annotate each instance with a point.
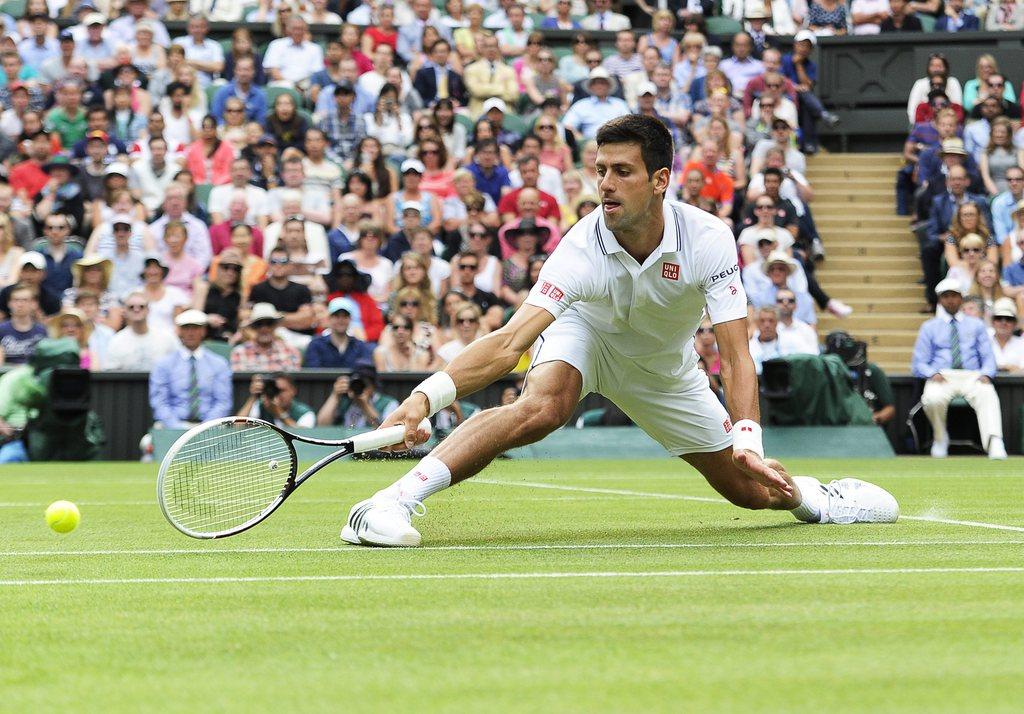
(714, 636)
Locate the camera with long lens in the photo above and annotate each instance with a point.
(270, 388)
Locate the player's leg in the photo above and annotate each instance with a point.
(549, 398)
(718, 468)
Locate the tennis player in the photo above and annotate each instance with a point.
(614, 312)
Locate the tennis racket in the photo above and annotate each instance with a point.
(224, 476)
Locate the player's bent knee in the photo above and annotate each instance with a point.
(539, 415)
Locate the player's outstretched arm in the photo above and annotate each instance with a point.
(485, 360)
(739, 379)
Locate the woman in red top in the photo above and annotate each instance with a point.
(383, 33)
(208, 158)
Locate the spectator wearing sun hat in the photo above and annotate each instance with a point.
(1007, 348)
(588, 114)
(264, 351)
(779, 267)
(191, 384)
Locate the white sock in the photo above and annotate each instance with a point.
(428, 477)
(810, 492)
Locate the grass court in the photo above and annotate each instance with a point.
(558, 586)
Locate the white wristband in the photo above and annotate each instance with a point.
(439, 389)
(746, 434)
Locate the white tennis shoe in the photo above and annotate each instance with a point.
(851, 500)
(384, 522)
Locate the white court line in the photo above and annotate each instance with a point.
(512, 576)
(679, 497)
(511, 547)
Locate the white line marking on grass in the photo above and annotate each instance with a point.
(722, 501)
(512, 576)
(511, 547)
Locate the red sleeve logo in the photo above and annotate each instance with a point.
(551, 291)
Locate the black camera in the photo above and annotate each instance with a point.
(357, 386)
(270, 389)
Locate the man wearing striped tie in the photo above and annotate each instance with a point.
(190, 385)
(954, 354)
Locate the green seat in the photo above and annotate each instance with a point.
(514, 122)
(14, 8)
(203, 193)
(591, 417)
(466, 122)
(307, 115)
(723, 25)
(272, 93)
(222, 349)
(211, 92)
(927, 22)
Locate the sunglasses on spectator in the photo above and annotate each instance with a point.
(546, 58)
(767, 105)
(122, 228)
(1015, 178)
(263, 323)
(705, 330)
(466, 321)
(764, 205)
(467, 266)
(594, 61)
(401, 326)
(477, 234)
(773, 85)
(1006, 318)
(427, 152)
(231, 267)
(534, 42)
(135, 308)
(972, 250)
(279, 261)
(233, 110)
(786, 301)
(997, 84)
(409, 303)
(545, 126)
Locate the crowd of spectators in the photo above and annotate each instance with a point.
(379, 198)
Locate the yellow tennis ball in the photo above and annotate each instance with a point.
(63, 516)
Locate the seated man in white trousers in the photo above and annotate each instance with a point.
(954, 354)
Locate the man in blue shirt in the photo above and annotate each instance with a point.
(1013, 274)
(488, 174)
(953, 352)
(1007, 203)
(242, 87)
(337, 349)
(191, 384)
(585, 116)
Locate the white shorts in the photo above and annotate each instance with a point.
(680, 413)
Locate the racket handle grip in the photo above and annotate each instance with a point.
(383, 437)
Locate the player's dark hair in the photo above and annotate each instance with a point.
(649, 132)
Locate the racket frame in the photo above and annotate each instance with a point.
(344, 447)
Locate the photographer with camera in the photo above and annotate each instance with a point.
(354, 402)
(869, 381)
(273, 399)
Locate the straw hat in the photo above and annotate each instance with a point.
(53, 324)
(87, 262)
(778, 257)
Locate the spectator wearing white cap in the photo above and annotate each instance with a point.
(409, 193)
(136, 347)
(32, 272)
(336, 348)
(587, 115)
(191, 385)
(953, 353)
(1007, 348)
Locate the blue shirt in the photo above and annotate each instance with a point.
(18, 346)
(1002, 216)
(765, 297)
(587, 115)
(932, 350)
(169, 382)
(1013, 275)
(322, 353)
(492, 185)
(58, 275)
(255, 102)
(789, 69)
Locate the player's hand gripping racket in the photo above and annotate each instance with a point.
(224, 476)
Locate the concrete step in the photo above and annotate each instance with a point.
(878, 249)
(874, 277)
(851, 183)
(865, 193)
(878, 176)
(847, 291)
(895, 236)
(868, 263)
(901, 339)
(855, 160)
(873, 208)
(884, 304)
(839, 222)
(871, 322)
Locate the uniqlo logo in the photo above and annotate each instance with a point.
(747, 428)
(728, 426)
(556, 294)
(545, 288)
(670, 271)
(420, 475)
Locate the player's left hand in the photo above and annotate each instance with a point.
(765, 471)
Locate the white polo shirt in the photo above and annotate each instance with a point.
(296, 62)
(648, 313)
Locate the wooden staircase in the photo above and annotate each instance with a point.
(872, 258)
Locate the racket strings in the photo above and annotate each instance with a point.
(225, 476)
